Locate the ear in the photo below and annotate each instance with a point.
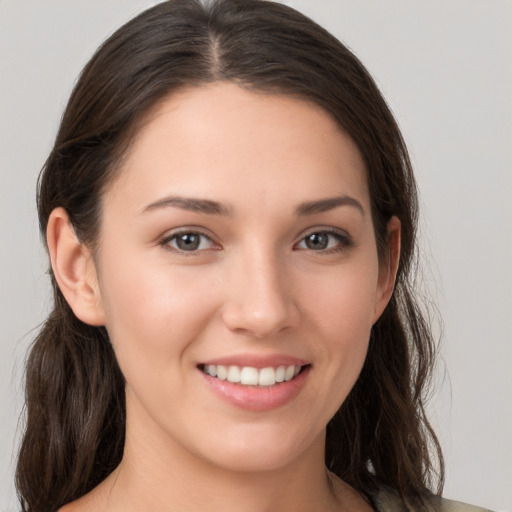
(388, 267)
(74, 269)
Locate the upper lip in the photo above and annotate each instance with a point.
(257, 361)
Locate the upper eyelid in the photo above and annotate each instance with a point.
(344, 238)
(164, 240)
(326, 229)
(185, 230)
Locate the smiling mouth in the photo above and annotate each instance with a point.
(250, 376)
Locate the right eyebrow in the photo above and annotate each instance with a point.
(189, 203)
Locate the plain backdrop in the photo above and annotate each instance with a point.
(445, 67)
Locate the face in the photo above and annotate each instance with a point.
(237, 245)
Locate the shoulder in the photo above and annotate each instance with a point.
(457, 506)
(386, 500)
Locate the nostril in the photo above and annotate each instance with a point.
(258, 322)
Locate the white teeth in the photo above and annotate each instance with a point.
(289, 373)
(249, 376)
(234, 374)
(222, 372)
(267, 377)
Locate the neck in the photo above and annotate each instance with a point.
(189, 483)
(157, 473)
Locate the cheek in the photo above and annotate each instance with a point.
(153, 313)
(343, 302)
(341, 310)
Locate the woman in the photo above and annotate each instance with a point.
(230, 214)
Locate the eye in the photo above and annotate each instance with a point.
(188, 241)
(325, 241)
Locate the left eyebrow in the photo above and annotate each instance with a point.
(324, 205)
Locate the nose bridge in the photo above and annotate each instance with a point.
(260, 302)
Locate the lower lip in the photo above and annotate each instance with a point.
(257, 398)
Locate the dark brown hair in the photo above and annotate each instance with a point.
(75, 409)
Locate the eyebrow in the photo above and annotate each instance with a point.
(215, 208)
(324, 205)
(189, 203)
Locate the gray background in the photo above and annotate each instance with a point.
(445, 67)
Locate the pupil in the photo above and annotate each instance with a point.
(188, 242)
(317, 241)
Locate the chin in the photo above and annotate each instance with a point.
(254, 461)
(261, 450)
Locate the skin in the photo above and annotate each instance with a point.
(253, 287)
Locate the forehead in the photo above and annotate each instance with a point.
(221, 140)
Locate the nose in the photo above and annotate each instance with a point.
(260, 301)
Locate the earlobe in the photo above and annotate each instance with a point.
(74, 269)
(389, 267)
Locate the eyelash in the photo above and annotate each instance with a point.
(344, 242)
(166, 242)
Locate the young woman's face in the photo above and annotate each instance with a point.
(238, 242)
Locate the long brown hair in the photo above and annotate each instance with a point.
(75, 408)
